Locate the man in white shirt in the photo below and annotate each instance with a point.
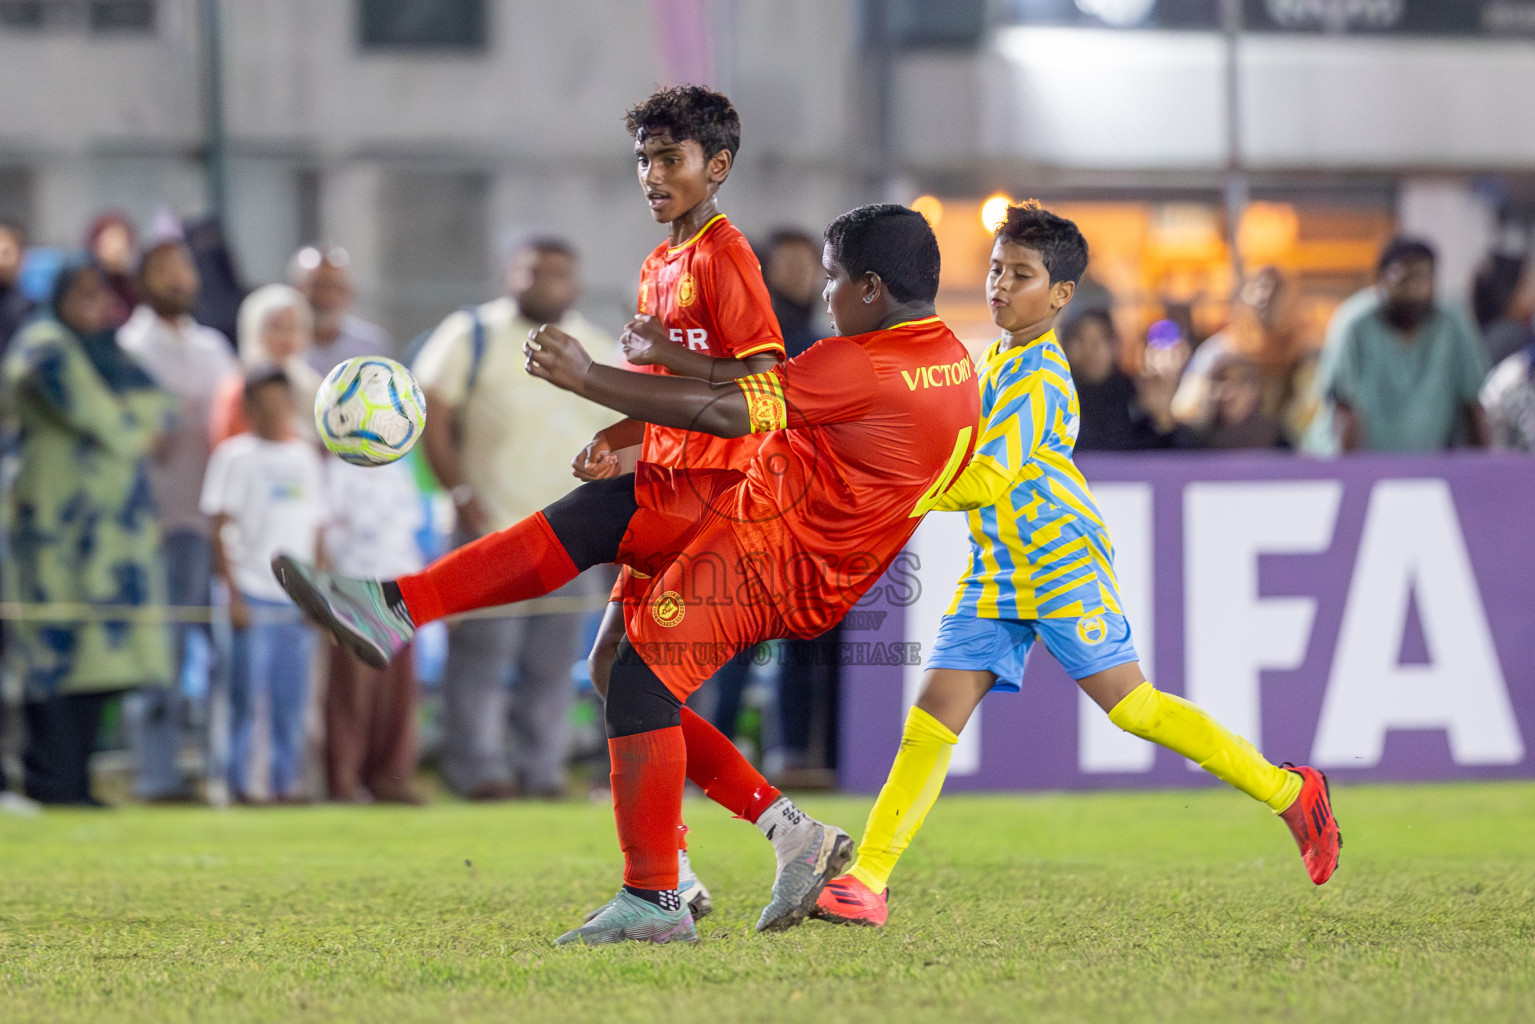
(323, 273)
(500, 442)
(188, 361)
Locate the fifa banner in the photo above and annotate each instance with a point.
(1371, 616)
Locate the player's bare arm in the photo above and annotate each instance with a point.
(645, 343)
(664, 400)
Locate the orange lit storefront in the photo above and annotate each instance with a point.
(1153, 257)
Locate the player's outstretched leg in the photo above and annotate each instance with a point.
(1298, 795)
(358, 613)
(809, 852)
(375, 618)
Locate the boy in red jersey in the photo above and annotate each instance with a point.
(863, 435)
(704, 312)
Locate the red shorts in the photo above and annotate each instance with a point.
(697, 603)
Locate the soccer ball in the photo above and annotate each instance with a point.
(369, 410)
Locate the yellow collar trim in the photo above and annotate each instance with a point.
(707, 225)
(912, 323)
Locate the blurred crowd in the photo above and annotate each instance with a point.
(159, 450)
(1398, 369)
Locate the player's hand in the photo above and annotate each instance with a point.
(557, 358)
(643, 341)
(596, 461)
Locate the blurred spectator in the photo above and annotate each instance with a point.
(219, 298)
(82, 418)
(1235, 418)
(265, 495)
(499, 441)
(276, 329)
(1503, 299)
(808, 677)
(1508, 398)
(15, 307)
(322, 273)
(1321, 436)
(370, 714)
(1113, 415)
(188, 361)
(1409, 372)
(792, 270)
(110, 242)
(1268, 330)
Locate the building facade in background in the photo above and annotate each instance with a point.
(421, 134)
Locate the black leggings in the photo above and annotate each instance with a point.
(590, 523)
(591, 520)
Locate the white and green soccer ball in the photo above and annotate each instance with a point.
(369, 410)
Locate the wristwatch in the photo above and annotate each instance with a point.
(462, 495)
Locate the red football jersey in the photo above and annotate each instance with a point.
(709, 294)
(878, 426)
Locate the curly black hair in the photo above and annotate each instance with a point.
(1060, 245)
(686, 112)
(892, 241)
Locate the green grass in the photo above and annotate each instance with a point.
(1186, 907)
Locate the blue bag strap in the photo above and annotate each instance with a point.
(476, 346)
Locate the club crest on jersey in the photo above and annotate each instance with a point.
(687, 291)
(668, 609)
(1092, 629)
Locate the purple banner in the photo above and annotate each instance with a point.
(1372, 616)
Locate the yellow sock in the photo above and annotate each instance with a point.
(1187, 728)
(909, 792)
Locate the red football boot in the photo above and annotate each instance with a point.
(846, 900)
(1313, 825)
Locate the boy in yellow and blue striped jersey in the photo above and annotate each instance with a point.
(1041, 568)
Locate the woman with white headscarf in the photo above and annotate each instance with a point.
(276, 328)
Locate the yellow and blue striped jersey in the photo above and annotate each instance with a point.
(1038, 545)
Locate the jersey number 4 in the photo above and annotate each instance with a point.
(950, 471)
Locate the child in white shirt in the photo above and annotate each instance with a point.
(265, 493)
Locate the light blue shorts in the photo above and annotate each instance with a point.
(1083, 646)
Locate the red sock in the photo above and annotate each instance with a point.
(648, 773)
(717, 767)
(523, 561)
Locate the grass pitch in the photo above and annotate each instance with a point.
(1104, 908)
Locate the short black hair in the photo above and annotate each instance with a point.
(1403, 249)
(258, 377)
(1059, 243)
(892, 241)
(15, 230)
(688, 112)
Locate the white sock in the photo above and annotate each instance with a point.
(684, 870)
(785, 825)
